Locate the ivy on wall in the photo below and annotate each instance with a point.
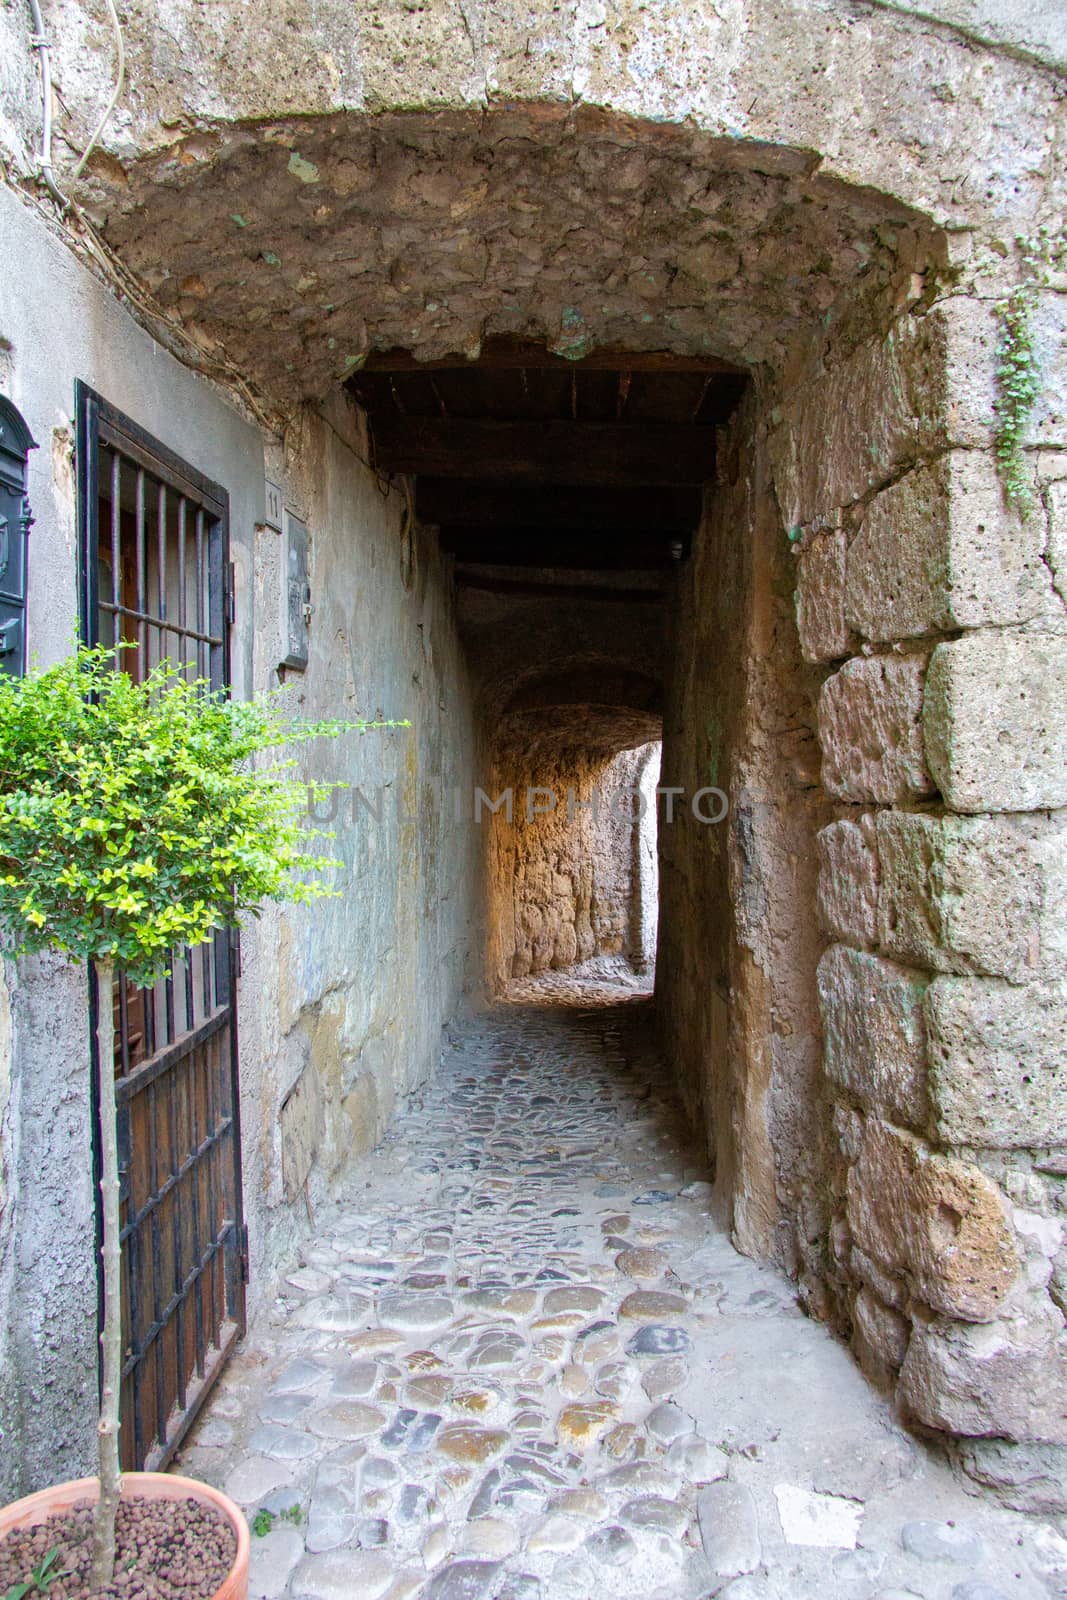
(1018, 370)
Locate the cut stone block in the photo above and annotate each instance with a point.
(928, 385)
(820, 598)
(1048, 845)
(958, 894)
(1005, 1379)
(995, 721)
(870, 726)
(933, 1220)
(848, 881)
(1056, 553)
(941, 549)
(872, 1014)
(998, 1062)
(1047, 422)
(886, 1286)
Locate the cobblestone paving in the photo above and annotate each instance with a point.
(518, 1361)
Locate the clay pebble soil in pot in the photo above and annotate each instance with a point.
(180, 1549)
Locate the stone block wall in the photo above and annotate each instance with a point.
(937, 613)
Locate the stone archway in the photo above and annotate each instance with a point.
(868, 654)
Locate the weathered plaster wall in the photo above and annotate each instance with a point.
(363, 982)
(50, 1312)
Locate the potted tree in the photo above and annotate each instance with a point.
(136, 818)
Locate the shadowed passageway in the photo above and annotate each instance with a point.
(517, 1361)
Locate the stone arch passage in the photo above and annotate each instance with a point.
(856, 638)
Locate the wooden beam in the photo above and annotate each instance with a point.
(543, 452)
(524, 353)
(652, 512)
(560, 591)
(531, 547)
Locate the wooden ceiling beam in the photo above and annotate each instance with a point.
(522, 353)
(544, 452)
(531, 547)
(520, 587)
(557, 509)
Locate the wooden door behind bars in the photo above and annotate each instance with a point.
(155, 573)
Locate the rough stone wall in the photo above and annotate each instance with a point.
(621, 236)
(564, 684)
(565, 882)
(736, 968)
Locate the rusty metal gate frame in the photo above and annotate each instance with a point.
(179, 1253)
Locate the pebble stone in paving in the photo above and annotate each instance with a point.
(518, 1360)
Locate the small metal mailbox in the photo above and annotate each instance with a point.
(16, 443)
(297, 595)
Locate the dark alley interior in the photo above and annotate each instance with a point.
(567, 494)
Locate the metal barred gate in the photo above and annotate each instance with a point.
(155, 573)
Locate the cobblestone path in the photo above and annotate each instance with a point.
(518, 1361)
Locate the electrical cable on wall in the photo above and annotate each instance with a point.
(120, 79)
(84, 236)
(41, 45)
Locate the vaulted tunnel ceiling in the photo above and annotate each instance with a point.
(301, 247)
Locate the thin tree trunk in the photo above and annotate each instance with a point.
(111, 1332)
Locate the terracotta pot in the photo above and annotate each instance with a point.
(144, 1486)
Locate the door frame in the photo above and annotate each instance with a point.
(100, 423)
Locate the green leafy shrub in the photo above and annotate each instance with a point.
(1018, 373)
(136, 818)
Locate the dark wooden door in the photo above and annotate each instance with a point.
(155, 574)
